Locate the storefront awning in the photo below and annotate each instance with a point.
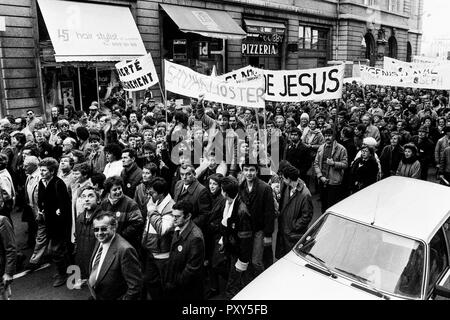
(258, 26)
(91, 32)
(206, 22)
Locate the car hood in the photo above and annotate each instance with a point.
(289, 279)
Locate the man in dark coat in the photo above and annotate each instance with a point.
(425, 148)
(296, 211)
(8, 254)
(189, 188)
(257, 196)
(115, 270)
(54, 219)
(84, 233)
(298, 154)
(131, 173)
(237, 236)
(184, 273)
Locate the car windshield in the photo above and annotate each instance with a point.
(381, 260)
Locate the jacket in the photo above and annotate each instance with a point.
(131, 178)
(390, 159)
(200, 198)
(296, 213)
(84, 241)
(442, 143)
(8, 248)
(445, 161)
(183, 279)
(157, 236)
(410, 170)
(299, 156)
(363, 173)
(260, 205)
(120, 275)
(141, 197)
(31, 196)
(336, 172)
(238, 233)
(54, 202)
(97, 160)
(129, 218)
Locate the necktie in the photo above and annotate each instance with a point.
(93, 276)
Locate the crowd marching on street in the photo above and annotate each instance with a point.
(195, 201)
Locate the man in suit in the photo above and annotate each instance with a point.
(8, 255)
(54, 220)
(190, 189)
(115, 271)
(31, 167)
(183, 279)
(131, 173)
(298, 154)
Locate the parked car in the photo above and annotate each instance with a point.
(390, 240)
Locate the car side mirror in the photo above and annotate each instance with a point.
(441, 291)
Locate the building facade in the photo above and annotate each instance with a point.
(37, 73)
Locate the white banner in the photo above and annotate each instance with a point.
(137, 74)
(438, 79)
(295, 85)
(184, 81)
(423, 59)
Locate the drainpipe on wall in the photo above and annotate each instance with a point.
(337, 30)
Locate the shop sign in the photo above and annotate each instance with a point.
(274, 37)
(259, 49)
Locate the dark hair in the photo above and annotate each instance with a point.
(5, 136)
(103, 214)
(151, 146)
(181, 117)
(79, 154)
(290, 172)
(114, 149)
(84, 168)
(133, 125)
(51, 164)
(361, 127)
(131, 152)
(154, 170)
(98, 179)
(230, 186)
(217, 177)
(160, 185)
(348, 132)
(71, 161)
(82, 133)
(21, 138)
(113, 181)
(183, 205)
(224, 114)
(93, 133)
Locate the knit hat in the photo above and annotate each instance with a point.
(411, 146)
(369, 141)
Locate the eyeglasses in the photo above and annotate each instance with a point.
(30, 113)
(102, 229)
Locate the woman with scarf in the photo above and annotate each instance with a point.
(364, 169)
(409, 165)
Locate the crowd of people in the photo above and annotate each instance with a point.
(189, 202)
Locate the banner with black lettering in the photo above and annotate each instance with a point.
(182, 80)
(294, 85)
(137, 74)
(405, 75)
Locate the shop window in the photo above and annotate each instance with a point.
(307, 43)
(370, 2)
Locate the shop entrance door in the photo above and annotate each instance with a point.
(88, 76)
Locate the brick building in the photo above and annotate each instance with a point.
(37, 73)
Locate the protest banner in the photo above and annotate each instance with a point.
(184, 81)
(137, 74)
(295, 85)
(432, 78)
(423, 59)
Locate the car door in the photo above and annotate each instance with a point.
(438, 280)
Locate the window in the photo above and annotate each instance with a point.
(395, 5)
(370, 2)
(438, 260)
(312, 38)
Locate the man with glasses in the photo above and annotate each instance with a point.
(114, 269)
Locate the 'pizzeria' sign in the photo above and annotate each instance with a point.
(259, 49)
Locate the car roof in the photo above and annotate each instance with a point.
(407, 206)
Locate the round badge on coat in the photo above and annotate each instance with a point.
(117, 214)
(128, 185)
(180, 248)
